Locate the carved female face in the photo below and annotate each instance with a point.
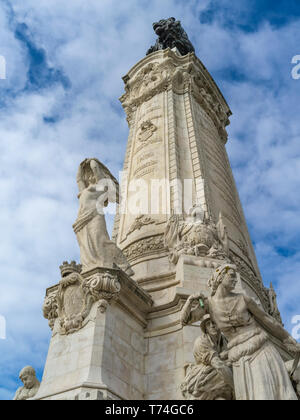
(230, 280)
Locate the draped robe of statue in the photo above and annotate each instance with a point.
(258, 369)
(96, 248)
(204, 380)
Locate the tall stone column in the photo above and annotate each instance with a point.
(176, 157)
(177, 118)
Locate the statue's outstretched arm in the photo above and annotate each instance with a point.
(272, 325)
(189, 315)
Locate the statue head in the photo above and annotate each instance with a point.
(28, 377)
(163, 25)
(208, 326)
(197, 213)
(171, 35)
(225, 275)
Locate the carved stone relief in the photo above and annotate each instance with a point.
(196, 236)
(72, 301)
(146, 131)
(156, 77)
(144, 247)
(139, 222)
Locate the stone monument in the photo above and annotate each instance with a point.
(122, 320)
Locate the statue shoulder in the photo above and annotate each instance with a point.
(18, 393)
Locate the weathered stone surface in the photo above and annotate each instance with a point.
(31, 384)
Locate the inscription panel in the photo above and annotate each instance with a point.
(147, 163)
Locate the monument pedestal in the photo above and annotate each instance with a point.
(103, 359)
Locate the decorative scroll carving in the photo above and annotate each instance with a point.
(198, 236)
(72, 301)
(144, 247)
(103, 286)
(50, 309)
(157, 77)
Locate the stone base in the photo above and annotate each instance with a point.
(104, 359)
(136, 350)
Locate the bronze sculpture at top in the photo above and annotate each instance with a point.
(171, 35)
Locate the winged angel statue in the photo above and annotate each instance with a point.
(97, 187)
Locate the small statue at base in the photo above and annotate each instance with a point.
(210, 378)
(31, 384)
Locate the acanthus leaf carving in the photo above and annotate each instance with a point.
(103, 286)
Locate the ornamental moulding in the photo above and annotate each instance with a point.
(156, 77)
(145, 247)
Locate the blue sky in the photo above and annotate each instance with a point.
(59, 104)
